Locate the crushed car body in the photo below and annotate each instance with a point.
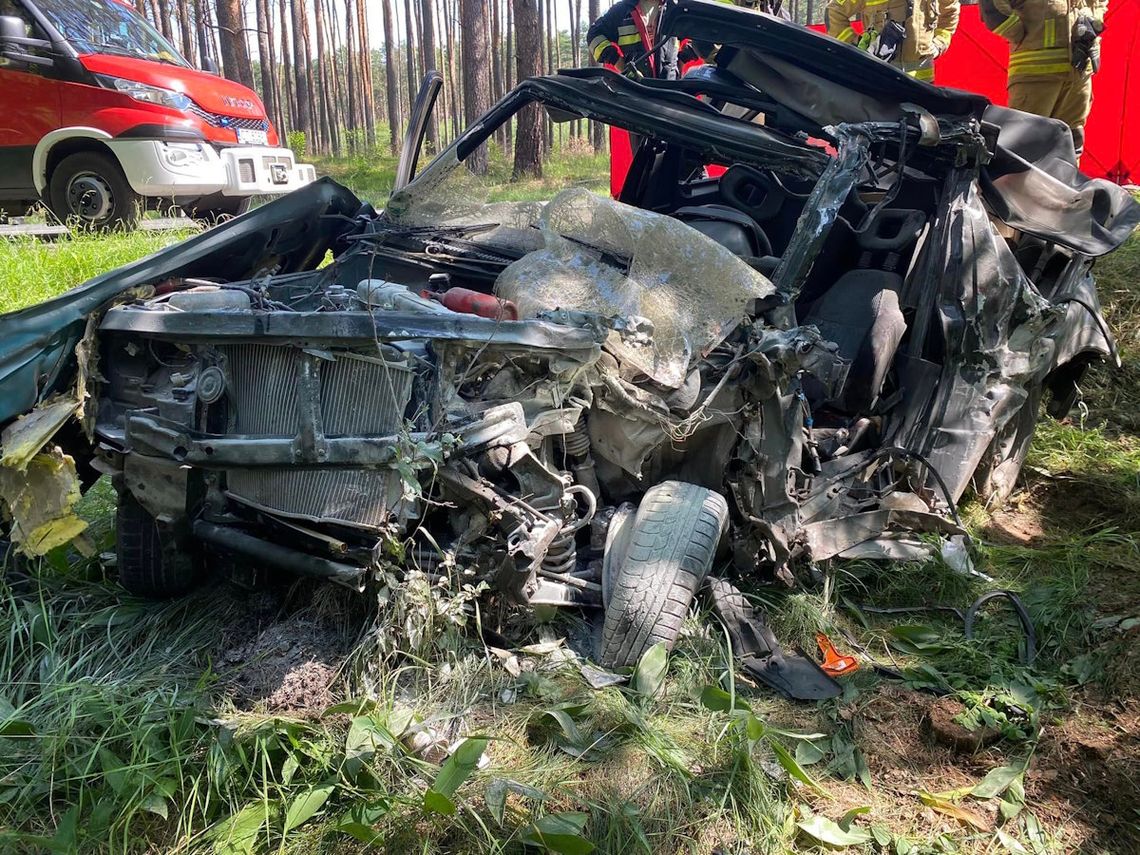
(812, 354)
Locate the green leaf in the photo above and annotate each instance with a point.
(996, 782)
(808, 753)
(569, 728)
(649, 676)
(113, 771)
(454, 772)
(237, 835)
(718, 700)
(827, 831)
(754, 728)
(303, 807)
(66, 836)
(155, 803)
(793, 768)
(496, 795)
(1011, 844)
(363, 833)
(439, 803)
(862, 769)
(10, 724)
(882, 835)
(559, 832)
(358, 821)
(849, 817)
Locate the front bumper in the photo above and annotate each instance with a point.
(158, 168)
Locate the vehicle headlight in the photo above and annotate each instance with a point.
(148, 94)
(183, 154)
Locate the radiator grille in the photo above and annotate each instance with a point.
(220, 121)
(360, 396)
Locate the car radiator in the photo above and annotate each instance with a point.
(359, 396)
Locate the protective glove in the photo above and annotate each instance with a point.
(688, 53)
(610, 55)
(1086, 46)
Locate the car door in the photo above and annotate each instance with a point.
(30, 107)
(417, 129)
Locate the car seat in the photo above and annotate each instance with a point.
(861, 313)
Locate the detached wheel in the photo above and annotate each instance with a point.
(672, 545)
(216, 207)
(90, 188)
(154, 562)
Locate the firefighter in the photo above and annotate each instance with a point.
(624, 37)
(909, 34)
(1054, 50)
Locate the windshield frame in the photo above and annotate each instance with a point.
(60, 16)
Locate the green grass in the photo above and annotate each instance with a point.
(33, 270)
(118, 731)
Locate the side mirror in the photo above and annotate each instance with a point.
(208, 65)
(15, 45)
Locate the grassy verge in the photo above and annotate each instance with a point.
(305, 719)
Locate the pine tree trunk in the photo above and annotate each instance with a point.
(288, 88)
(235, 52)
(201, 28)
(368, 93)
(528, 134)
(390, 77)
(303, 121)
(430, 63)
(476, 72)
(575, 48)
(321, 79)
(187, 33)
(597, 129)
(410, 55)
(265, 59)
(510, 65)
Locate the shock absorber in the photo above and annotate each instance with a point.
(577, 446)
(562, 555)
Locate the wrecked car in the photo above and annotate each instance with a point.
(827, 302)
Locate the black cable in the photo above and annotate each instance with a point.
(914, 455)
(1101, 324)
(1022, 615)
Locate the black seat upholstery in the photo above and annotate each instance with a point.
(732, 229)
(861, 314)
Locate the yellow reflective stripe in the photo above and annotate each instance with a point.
(1030, 70)
(944, 35)
(871, 3)
(1007, 25)
(926, 74)
(1050, 38)
(599, 44)
(848, 35)
(629, 40)
(1025, 57)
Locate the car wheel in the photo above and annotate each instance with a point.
(90, 189)
(671, 547)
(154, 561)
(216, 207)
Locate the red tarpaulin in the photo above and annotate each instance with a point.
(977, 62)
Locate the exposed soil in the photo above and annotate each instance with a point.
(287, 666)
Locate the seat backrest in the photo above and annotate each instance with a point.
(861, 314)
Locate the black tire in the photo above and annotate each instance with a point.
(216, 207)
(154, 561)
(89, 188)
(671, 549)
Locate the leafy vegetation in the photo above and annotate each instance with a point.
(124, 727)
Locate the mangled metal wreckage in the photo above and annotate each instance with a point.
(811, 355)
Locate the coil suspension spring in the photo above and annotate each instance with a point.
(562, 555)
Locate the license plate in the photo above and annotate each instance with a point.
(248, 136)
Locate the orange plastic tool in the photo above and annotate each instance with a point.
(834, 664)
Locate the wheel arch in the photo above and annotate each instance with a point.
(60, 143)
